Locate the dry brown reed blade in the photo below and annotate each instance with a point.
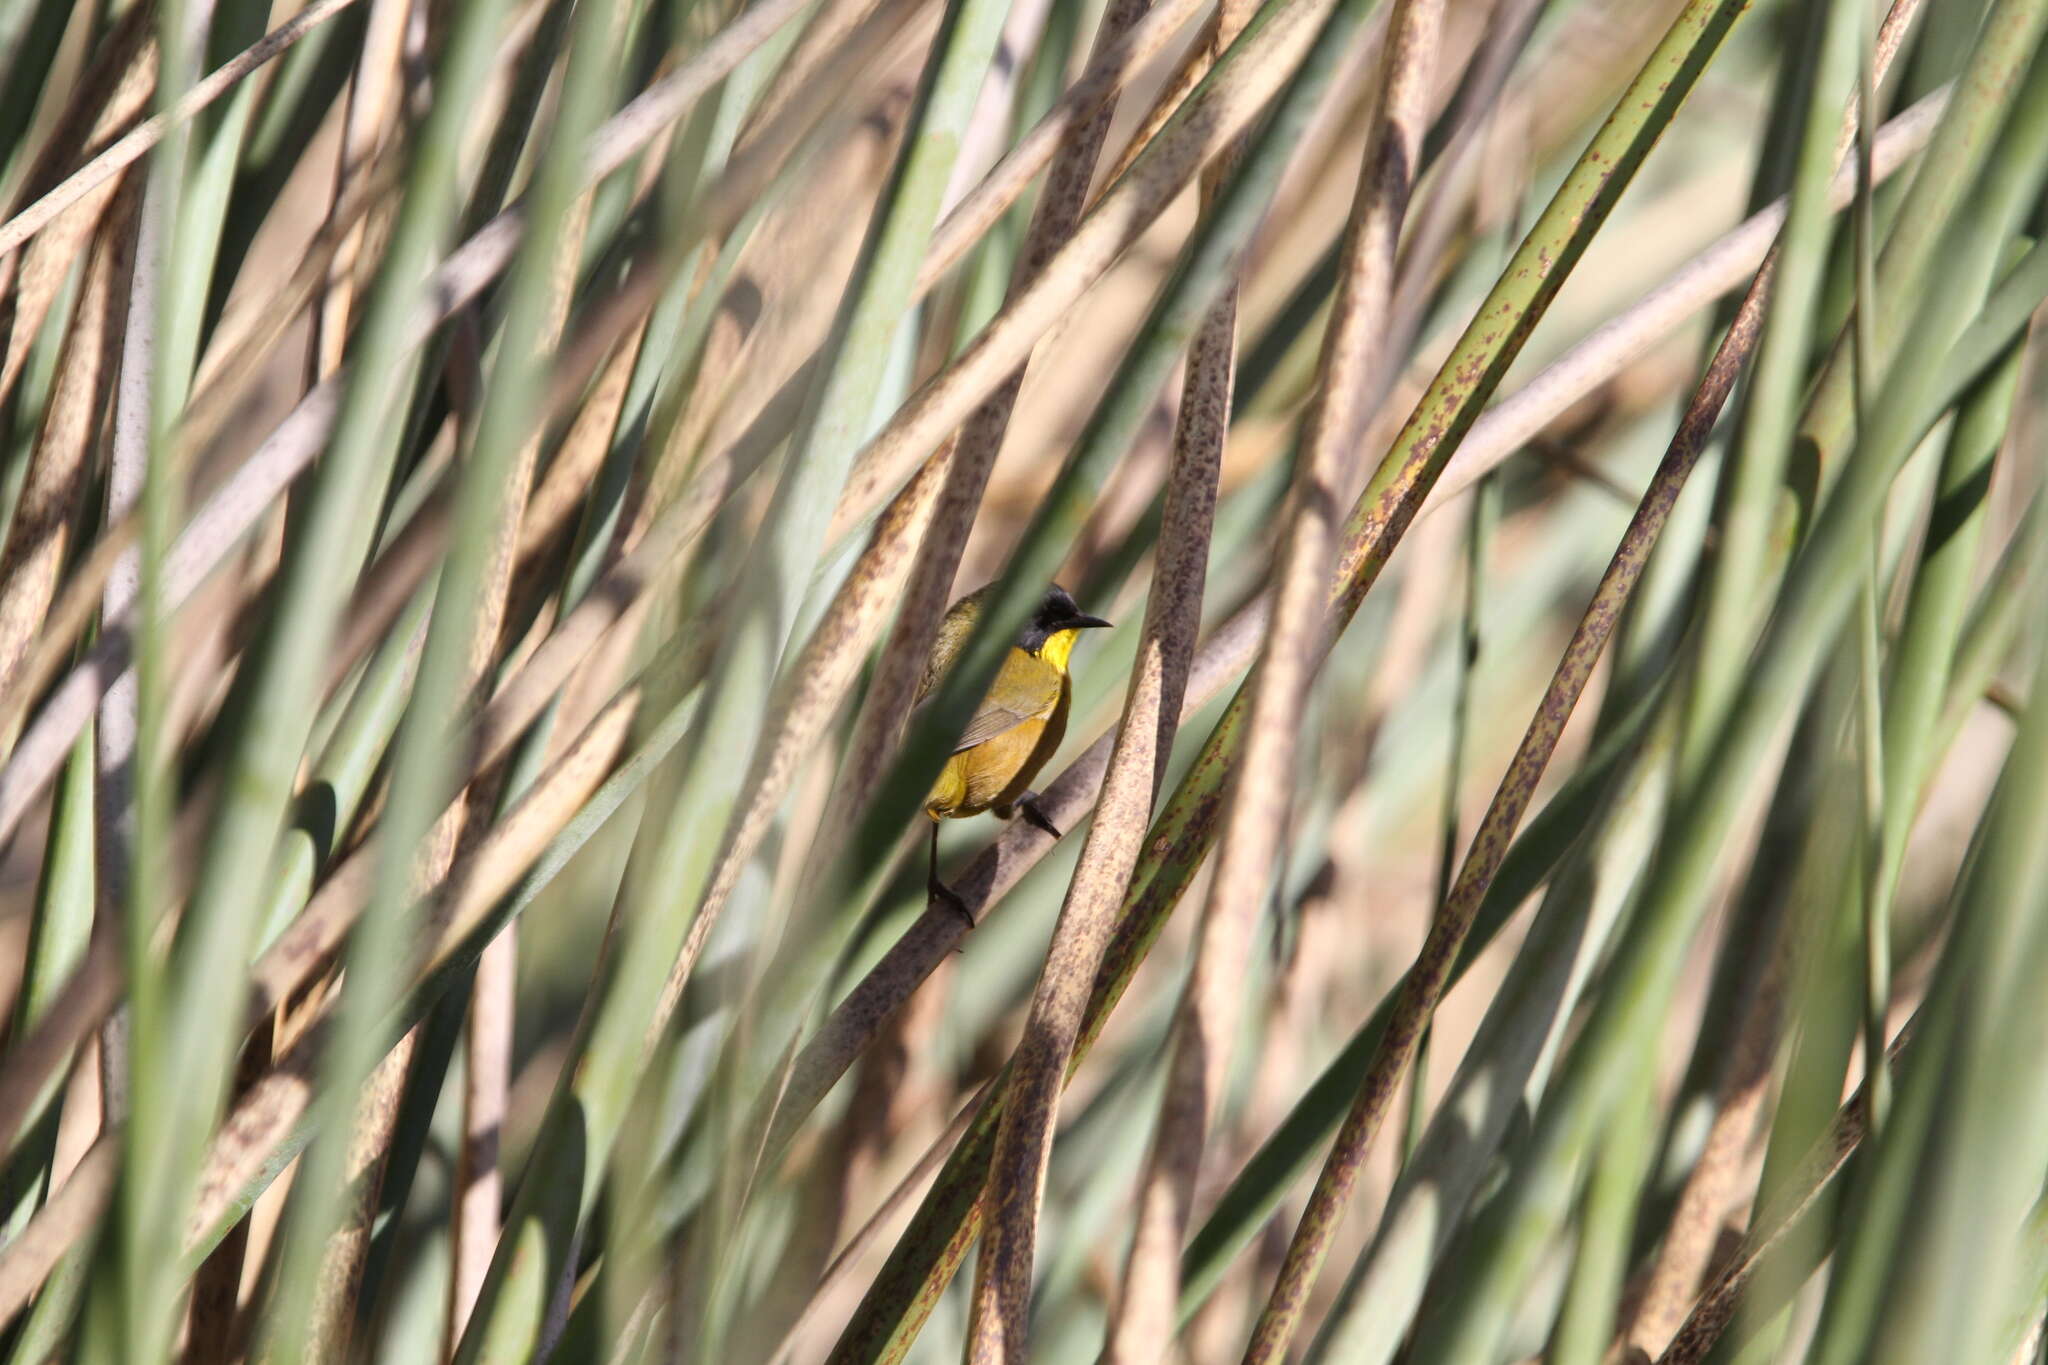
(1262, 792)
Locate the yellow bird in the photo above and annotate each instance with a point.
(1017, 727)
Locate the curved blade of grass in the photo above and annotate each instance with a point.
(348, 761)
(1763, 451)
(1877, 946)
(1990, 635)
(1928, 643)
(770, 585)
(1764, 942)
(1738, 975)
(1389, 505)
(1818, 593)
(61, 926)
(221, 924)
(1927, 1258)
(184, 204)
(314, 1294)
(1350, 369)
(1997, 60)
(1822, 1051)
(1606, 1225)
(1386, 1286)
(1987, 90)
(1001, 1310)
(1504, 1070)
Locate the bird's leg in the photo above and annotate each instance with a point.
(939, 891)
(1027, 806)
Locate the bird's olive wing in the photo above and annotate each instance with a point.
(994, 717)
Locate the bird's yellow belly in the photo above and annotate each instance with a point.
(997, 772)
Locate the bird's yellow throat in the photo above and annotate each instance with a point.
(1057, 647)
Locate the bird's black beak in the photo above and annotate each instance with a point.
(1084, 623)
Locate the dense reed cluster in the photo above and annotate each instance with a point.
(1548, 864)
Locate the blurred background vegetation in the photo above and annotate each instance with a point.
(480, 481)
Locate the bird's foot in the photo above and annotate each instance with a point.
(951, 899)
(1029, 809)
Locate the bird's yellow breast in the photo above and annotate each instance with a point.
(1058, 647)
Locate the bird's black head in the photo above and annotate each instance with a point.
(1056, 615)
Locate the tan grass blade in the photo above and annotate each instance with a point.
(1209, 1008)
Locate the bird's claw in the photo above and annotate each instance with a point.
(951, 899)
(1028, 808)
